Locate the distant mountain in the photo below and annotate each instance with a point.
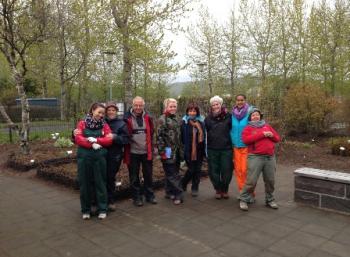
(175, 89)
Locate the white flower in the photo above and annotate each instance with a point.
(349, 141)
(118, 183)
(69, 152)
(313, 140)
(32, 161)
(54, 137)
(342, 148)
(57, 134)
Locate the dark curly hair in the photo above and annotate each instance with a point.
(193, 106)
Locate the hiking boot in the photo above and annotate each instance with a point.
(243, 206)
(272, 205)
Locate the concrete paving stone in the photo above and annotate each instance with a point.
(214, 253)
(172, 220)
(204, 207)
(306, 213)
(186, 248)
(342, 237)
(160, 238)
(108, 240)
(341, 250)
(209, 221)
(239, 248)
(267, 253)
(275, 230)
(289, 222)
(320, 253)
(20, 240)
(72, 245)
(319, 229)
(248, 221)
(232, 229)
(334, 222)
(265, 214)
(34, 250)
(201, 233)
(289, 249)
(3, 253)
(133, 248)
(259, 238)
(306, 239)
(226, 213)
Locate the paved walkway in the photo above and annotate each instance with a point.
(41, 220)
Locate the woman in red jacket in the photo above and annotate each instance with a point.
(260, 139)
(92, 138)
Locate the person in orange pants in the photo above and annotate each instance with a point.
(240, 160)
(240, 113)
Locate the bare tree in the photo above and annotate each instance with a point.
(18, 32)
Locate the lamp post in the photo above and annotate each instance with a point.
(109, 60)
(201, 66)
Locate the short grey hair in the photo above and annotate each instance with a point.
(138, 98)
(217, 99)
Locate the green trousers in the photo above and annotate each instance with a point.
(220, 168)
(92, 167)
(258, 164)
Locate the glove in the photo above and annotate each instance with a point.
(92, 139)
(96, 146)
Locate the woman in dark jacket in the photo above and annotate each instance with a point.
(193, 139)
(218, 125)
(116, 150)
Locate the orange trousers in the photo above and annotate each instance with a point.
(240, 156)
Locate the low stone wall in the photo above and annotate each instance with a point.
(323, 189)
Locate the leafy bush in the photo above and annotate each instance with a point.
(63, 142)
(307, 109)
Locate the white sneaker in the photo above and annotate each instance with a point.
(102, 216)
(272, 205)
(86, 216)
(243, 206)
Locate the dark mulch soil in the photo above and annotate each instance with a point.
(54, 164)
(313, 153)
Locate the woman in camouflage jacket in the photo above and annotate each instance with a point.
(170, 149)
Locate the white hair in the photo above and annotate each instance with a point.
(138, 98)
(168, 101)
(217, 99)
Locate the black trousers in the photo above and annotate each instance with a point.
(113, 166)
(136, 160)
(193, 173)
(173, 180)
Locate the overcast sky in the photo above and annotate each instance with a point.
(220, 10)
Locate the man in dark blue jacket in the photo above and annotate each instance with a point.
(116, 150)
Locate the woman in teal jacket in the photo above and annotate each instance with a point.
(240, 114)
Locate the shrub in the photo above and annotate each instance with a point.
(340, 146)
(307, 109)
(63, 142)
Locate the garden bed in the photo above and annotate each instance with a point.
(40, 152)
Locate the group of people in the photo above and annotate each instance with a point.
(237, 142)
